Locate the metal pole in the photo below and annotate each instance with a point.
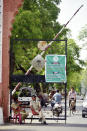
(66, 83)
(19, 84)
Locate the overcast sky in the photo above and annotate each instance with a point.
(68, 8)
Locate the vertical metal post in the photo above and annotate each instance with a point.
(65, 102)
(10, 101)
(66, 83)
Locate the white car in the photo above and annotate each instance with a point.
(84, 108)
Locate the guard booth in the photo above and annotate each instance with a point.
(52, 65)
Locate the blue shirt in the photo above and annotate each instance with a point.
(57, 97)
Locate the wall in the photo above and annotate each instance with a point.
(10, 9)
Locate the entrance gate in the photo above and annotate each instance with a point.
(31, 79)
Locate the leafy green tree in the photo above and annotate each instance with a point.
(37, 19)
(83, 33)
(84, 81)
(74, 64)
(83, 37)
(74, 80)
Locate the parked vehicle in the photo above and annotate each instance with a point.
(84, 107)
(25, 95)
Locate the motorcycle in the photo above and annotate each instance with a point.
(57, 109)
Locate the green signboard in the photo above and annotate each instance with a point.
(55, 68)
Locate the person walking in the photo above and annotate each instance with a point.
(72, 96)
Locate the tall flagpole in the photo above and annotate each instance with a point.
(31, 67)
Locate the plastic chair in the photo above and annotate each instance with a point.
(17, 116)
(33, 114)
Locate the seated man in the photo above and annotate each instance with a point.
(36, 109)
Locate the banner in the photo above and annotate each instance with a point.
(55, 68)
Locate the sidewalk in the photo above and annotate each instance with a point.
(76, 122)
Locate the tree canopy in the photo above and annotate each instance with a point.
(38, 19)
(83, 33)
(83, 38)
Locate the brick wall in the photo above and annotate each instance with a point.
(10, 8)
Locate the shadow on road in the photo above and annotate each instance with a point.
(50, 125)
(59, 125)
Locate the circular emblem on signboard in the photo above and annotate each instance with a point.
(55, 58)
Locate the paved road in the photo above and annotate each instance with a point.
(75, 121)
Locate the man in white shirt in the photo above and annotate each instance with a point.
(36, 108)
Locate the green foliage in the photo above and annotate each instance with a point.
(83, 33)
(83, 37)
(74, 80)
(27, 25)
(73, 65)
(37, 19)
(84, 78)
(73, 55)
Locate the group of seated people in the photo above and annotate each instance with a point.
(37, 103)
(35, 107)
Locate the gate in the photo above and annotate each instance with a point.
(17, 71)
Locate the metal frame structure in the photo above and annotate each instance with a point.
(36, 78)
